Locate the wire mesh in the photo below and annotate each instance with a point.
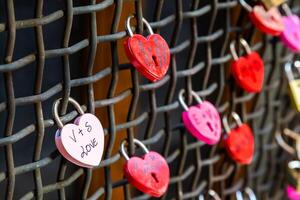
(198, 33)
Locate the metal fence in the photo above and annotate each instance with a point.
(198, 33)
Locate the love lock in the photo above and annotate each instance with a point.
(150, 56)
(294, 84)
(149, 174)
(202, 120)
(82, 142)
(291, 34)
(248, 70)
(239, 142)
(267, 21)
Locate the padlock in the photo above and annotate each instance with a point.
(267, 21)
(248, 70)
(149, 174)
(269, 4)
(150, 56)
(202, 120)
(293, 174)
(81, 142)
(294, 84)
(239, 141)
(291, 34)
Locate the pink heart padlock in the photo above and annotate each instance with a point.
(291, 34)
(81, 142)
(202, 120)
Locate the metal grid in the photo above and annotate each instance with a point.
(199, 62)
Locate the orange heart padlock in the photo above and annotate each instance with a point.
(239, 141)
(267, 21)
(248, 70)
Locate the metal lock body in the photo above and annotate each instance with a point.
(294, 83)
(272, 3)
(294, 91)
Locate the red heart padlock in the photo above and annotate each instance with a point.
(150, 56)
(248, 70)
(239, 142)
(267, 21)
(149, 174)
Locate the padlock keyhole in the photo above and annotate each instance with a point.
(155, 60)
(209, 126)
(272, 18)
(154, 177)
(296, 36)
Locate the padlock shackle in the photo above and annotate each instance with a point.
(55, 110)
(237, 119)
(288, 69)
(248, 191)
(233, 50)
(128, 27)
(181, 100)
(287, 9)
(246, 5)
(211, 193)
(135, 141)
(288, 148)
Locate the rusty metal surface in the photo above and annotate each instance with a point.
(199, 33)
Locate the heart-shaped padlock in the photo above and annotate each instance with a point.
(202, 120)
(150, 56)
(248, 70)
(82, 142)
(239, 142)
(149, 173)
(267, 21)
(291, 34)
